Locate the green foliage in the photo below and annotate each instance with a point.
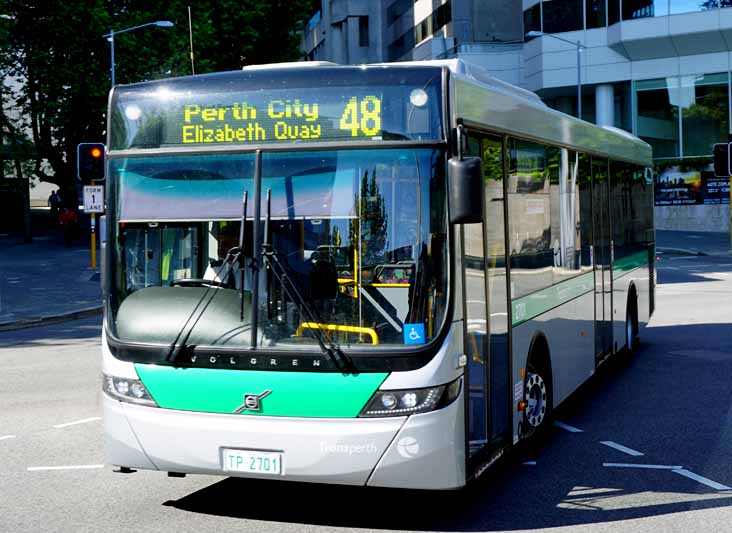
(59, 61)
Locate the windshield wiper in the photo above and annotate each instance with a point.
(179, 344)
(334, 352)
(242, 256)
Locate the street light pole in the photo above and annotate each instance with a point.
(111, 42)
(579, 46)
(112, 33)
(579, 82)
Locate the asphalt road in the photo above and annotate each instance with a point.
(672, 403)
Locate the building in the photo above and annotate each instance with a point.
(657, 68)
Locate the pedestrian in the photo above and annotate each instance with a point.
(54, 201)
(69, 225)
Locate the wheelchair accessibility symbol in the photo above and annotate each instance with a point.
(413, 333)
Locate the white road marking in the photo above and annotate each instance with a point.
(631, 465)
(702, 479)
(530, 463)
(6, 437)
(70, 467)
(621, 448)
(83, 421)
(567, 427)
(684, 257)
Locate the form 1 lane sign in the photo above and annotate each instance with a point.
(94, 199)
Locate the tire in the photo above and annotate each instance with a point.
(538, 415)
(631, 326)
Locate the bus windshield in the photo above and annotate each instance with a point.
(360, 234)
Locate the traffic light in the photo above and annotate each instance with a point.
(90, 162)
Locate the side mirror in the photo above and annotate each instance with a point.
(465, 195)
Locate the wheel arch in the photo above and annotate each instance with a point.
(540, 352)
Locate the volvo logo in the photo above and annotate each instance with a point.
(252, 402)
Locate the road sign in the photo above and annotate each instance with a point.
(94, 199)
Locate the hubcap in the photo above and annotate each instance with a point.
(536, 398)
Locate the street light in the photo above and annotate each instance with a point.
(112, 33)
(534, 33)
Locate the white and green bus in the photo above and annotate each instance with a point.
(382, 275)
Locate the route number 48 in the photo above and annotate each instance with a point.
(364, 115)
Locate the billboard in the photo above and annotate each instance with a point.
(677, 185)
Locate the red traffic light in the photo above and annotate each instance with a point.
(90, 162)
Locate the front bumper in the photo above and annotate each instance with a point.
(422, 451)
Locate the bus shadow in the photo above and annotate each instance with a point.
(493, 504)
(568, 485)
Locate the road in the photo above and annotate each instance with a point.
(672, 403)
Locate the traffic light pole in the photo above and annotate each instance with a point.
(93, 241)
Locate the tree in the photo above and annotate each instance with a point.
(54, 54)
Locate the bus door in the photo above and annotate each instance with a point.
(486, 309)
(602, 259)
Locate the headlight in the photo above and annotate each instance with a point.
(127, 390)
(411, 401)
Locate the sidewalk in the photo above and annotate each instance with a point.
(693, 242)
(46, 282)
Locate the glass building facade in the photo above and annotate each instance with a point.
(683, 116)
(554, 16)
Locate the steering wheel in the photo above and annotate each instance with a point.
(196, 282)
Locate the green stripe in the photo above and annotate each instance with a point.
(622, 266)
(304, 394)
(532, 305)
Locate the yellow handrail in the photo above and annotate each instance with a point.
(339, 327)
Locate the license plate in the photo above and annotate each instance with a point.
(252, 461)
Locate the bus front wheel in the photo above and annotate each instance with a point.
(631, 325)
(538, 397)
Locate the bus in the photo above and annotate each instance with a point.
(382, 275)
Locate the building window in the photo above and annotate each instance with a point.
(396, 10)
(532, 20)
(613, 11)
(690, 6)
(658, 115)
(561, 15)
(595, 10)
(704, 113)
(638, 9)
(363, 31)
(433, 23)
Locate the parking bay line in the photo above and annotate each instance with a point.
(567, 427)
(621, 448)
(70, 467)
(632, 465)
(701, 479)
(82, 421)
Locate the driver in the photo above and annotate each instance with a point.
(223, 269)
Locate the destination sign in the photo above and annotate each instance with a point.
(279, 120)
(313, 105)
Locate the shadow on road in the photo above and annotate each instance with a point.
(660, 392)
(55, 335)
(691, 269)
